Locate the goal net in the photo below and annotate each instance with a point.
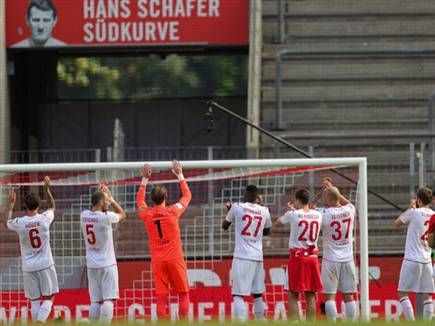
(208, 249)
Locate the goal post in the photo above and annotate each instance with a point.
(126, 177)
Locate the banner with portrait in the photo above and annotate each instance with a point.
(91, 23)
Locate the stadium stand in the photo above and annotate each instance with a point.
(362, 94)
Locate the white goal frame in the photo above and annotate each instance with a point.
(360, 162)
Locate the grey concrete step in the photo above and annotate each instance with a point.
(345, 44)
(351, 7)
(305, 69)
(358, 91)
(355, 26)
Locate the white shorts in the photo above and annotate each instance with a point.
(41, 283)
(433, 271)
(103, 283)
(248, 277)
(338, 277)
(416, 277)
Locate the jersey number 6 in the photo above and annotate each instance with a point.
(35, 240)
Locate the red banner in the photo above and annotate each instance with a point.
(84, 23)
(211, 293)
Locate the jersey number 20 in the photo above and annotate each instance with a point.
(312, 228)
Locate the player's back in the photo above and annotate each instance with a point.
(162, 224)
(337, 230)
(304, 227)
(416, 247)
(250, 220)
(98, 234)
(34, 234)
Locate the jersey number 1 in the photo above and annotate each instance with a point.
(35, 240)
(159, 228)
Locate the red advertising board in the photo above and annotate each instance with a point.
(210, 294)
(90, 23)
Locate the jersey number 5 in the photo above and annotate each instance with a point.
(90, 233)
(35, 240)
(248, 225)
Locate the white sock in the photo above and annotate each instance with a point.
(239, 309)
(350, 310)
(35, 305)
(44, 311)
(331, 310)
(407, 309)
(259, 308)
(427, 310)
(106, 312)
(94, 312)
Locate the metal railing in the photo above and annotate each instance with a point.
(280, 123)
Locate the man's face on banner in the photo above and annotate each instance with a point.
(41, 24)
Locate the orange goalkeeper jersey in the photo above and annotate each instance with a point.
(162, 224)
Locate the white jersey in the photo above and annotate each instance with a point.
(250, 220)
(34, 233)
(304, 227)
(97, 231)
(416, 247)
(337, 229)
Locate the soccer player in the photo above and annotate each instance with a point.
(96, 225)
(162, 224)
(39, 274)
(252, 221)
(416, 271)
(303, 265)
(338, 266)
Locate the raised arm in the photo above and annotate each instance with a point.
(12, 199)
(48, 194)
(116, 207)
(327, 182)
(186, 195)
(279, 221)
(140, 196)
(403, 218)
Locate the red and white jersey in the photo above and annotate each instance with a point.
(416, 247)
(337, 230)
(34, 233)
(304, 227)
(97, 231)
(250, 220)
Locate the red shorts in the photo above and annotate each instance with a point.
(304, 272)
(170, 274)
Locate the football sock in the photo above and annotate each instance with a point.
(350, 310)
(94, 312)
(106, 312)
(35, 305)
(407, 309)
(184, 302)
(239, 309)
(259, 308)
(44, 311)
(427, 310)
(331, 310)
(162, 306)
